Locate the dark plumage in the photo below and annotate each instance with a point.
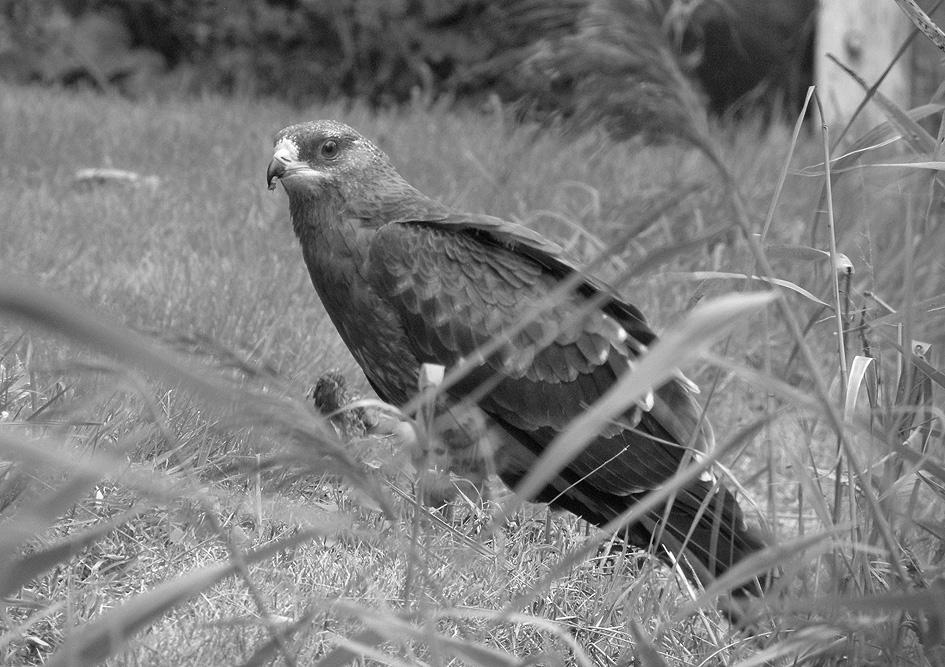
(331, 398)
(407, 280)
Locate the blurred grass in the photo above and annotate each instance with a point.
(206, 262)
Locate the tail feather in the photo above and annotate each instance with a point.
(706, 523)
(703, 523)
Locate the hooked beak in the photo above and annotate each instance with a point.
(285, 159)
(276, 170)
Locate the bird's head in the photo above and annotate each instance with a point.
(309, 157)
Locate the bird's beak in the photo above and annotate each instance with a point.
(285, 159)
(276, 170)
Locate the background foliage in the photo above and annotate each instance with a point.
(539, 52)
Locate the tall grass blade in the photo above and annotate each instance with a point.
(923, 22)
(82, 326)
(881, 135)
(347, 653)
(645, 653)
(858, 370)
(390, 627)
(18, 572)
(101, 638)
(724, 275)
(802, 647)
(703, 326)
(914, 134)
(269, 650)
(32, 521)
(652, 501)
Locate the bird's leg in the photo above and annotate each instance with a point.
(454, 453)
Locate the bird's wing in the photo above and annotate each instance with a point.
(531, 244)
(458, 283)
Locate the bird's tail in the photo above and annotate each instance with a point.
(705, 524)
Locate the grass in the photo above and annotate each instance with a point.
(163, 471)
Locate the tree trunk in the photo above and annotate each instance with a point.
(864, 35)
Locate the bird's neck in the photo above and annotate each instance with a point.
(333, 241)
(336, 246)
(313, 211)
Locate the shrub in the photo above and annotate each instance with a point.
(389, 51)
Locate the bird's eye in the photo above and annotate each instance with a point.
(330, 148)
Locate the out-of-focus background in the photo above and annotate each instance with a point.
(742, 55)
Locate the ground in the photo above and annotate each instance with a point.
(202, 259)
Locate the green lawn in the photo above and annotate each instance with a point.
(205, 263)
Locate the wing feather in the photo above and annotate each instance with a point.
(459, 282)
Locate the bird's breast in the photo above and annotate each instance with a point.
(369, 327)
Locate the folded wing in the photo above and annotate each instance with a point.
(458, 282)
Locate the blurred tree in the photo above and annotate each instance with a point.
(45, 41)
(390, 51)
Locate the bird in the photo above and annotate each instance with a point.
(408, 280)
(331, 398)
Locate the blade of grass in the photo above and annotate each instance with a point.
(20, 571)
(346, 653)
(703, 326)
(803, 646)
(82, 326)
(393, 628)
(914, 134)
(265, 653)
(645, 652)
(923, 22)
(652, 501)
(782, 177)
(35, 519)
(743, 219)
(723, 275)
(95, 641)
(858, 370)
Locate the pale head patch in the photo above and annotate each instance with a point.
(286, 151)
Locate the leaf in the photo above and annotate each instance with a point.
(703, 326)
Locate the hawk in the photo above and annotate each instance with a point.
(408, 280)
